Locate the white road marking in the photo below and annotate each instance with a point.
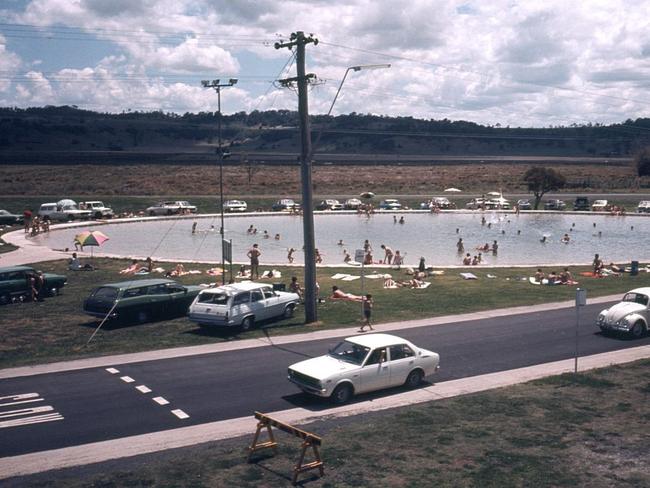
(160, 401)
(112, 370)
(22, 396)
(143, 389)
(180, 414)
(127, 379)
(22, 401)
(25, 411)
(38, 419)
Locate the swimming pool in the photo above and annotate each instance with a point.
(433, 236)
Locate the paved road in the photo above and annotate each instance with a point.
(78, 407)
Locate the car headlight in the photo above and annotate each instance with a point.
(601, 317)
(623, 322)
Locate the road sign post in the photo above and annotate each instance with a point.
(581, 301)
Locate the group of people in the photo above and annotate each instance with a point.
(34, 224)
(564, 277)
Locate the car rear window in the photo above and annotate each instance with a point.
(105, 292)
(216, 298)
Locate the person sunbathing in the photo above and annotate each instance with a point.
(341, 295)
(132, 269)
(412, 283)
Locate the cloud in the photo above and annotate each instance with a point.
(9, 65)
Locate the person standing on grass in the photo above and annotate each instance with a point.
(367, 313)
(254, 255)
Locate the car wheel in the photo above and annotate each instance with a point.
(70, 218)
(169, 212)
(247, 324)
(142, 316)
(5, 299)
(638, 329)
(98, 215)
(414, 379)
(54, 291)
(288, 311)
(152, 213)
(342, 394)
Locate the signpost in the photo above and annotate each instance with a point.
(581, 301)
(360, 257)
(227, 256)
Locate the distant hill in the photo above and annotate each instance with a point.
(68, 135)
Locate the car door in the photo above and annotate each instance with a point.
(272, 303)
(240, 307)
(401, 361)
(178, 298)
(18, 283)
(375, 373)
(159, 300)
(258, 305)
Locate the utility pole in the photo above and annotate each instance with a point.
(218, 86)
(299, 40)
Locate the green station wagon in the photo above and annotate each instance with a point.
(140, 300)
(15, 283)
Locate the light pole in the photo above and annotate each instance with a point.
(218, 86)
(354, 68)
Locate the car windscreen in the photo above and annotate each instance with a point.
(350, 352)
(105, 293)
(215, 298)
(636, 298)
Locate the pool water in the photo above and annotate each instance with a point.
(433, 236)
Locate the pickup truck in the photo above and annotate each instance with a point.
(170, 208)
(98, 209)
(63, 210)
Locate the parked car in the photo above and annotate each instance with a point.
(7, 218)
(361, 364)
(581, 204)
(15, 283)
(524, 204)
(241, 305)
(352, 203)
(554, 204)
(644, 206)
(390, 204)
(629, 316)
(171, 208)
(235, 206)
(284, 204)
(98, 209)
(329, 204)
(601, 206)
(442, 202)
(140, 300)
(63, 210)
(499, 203)
(476, 203)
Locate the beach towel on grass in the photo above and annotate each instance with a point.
(338, 276)
(425, 284)
(350, 278)
(377, 275)
(469, 276)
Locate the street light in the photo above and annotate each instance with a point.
(217, 85)
(354, 68)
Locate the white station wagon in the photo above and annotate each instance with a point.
(364, 363)
(630, 315)
(241, 305)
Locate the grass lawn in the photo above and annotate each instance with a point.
(56, 329)
(585, 430)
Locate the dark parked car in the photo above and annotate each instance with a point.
(7, 218)
(285, 204)
(140, 300)
(524, 204)
(15, 283)
(581, 204)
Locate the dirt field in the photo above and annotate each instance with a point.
(285, 180)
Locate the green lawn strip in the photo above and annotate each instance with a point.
(588, 430)
(5, 246)
(57, 329)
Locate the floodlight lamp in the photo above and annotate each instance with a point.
(205, 83)
(215, 82)
(233, 81)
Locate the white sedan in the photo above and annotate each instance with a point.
(364, 363)
(629, 316)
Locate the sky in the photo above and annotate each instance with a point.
(513, 63)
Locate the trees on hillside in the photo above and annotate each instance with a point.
(541, 180)
(642, 161)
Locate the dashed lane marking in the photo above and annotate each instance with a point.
(112, 370)
(160, 401)
(143, 389)
(127, 379)
(180, 414)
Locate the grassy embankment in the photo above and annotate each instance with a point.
(56, 329)
(586, 430)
